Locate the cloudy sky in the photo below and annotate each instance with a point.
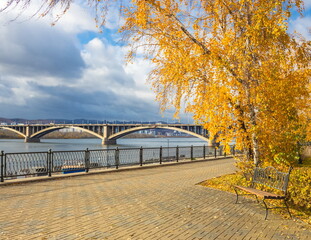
(72, 71)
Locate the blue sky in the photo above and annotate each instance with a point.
(72, 71)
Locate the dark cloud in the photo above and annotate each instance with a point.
(34, 49)
(5, 89)
(71, 103)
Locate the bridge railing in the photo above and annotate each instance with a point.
(29, 164)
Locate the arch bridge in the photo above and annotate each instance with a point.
(108, 133)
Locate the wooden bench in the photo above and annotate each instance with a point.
(269, 177)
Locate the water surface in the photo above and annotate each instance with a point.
(18, 145)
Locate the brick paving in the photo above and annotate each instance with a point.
(150, 203)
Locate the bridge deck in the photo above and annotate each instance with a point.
(109, 133)
(155, 203)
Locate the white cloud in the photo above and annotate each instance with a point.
(140, 70)
(307, 4)
(77, 19)
(106, 69)
(302, 26)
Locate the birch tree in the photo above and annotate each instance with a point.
(232, 63)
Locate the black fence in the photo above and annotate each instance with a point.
(29, 164)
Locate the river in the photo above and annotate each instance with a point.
(18, 145)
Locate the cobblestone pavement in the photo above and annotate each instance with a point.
(154, 203)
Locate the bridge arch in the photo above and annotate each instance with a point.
(48, 130)
(123, 133)
(13, 130)
(108, 133)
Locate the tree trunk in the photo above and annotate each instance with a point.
(254, 135)
(253, 121)
(255, 149)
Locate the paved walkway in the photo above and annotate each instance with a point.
(154, 203)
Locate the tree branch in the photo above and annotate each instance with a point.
(206, 51)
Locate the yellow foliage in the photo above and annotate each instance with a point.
(236, 67)
(300, 188)
(231, 62)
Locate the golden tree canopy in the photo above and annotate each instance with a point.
(232, 62)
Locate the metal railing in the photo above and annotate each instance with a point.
(27, 164)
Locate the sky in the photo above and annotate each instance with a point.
(72, 71)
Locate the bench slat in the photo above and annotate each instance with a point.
(260, 193)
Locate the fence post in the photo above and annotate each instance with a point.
(204, 151)
(141, 156)
(116, 157)
(191, 152)
(2, 166)
(233, 150)
(50, 162)
(161, 155)
(87, 160)
(215, 152)
(177, 153)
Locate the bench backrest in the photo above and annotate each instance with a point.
(270, 177)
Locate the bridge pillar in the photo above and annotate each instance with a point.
(32, 140)
(106, 134)
(107, 141)
(28, 131)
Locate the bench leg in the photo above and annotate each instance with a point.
(237, 196)
(266, 206)
(287, 208)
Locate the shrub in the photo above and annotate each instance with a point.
(299, 188)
